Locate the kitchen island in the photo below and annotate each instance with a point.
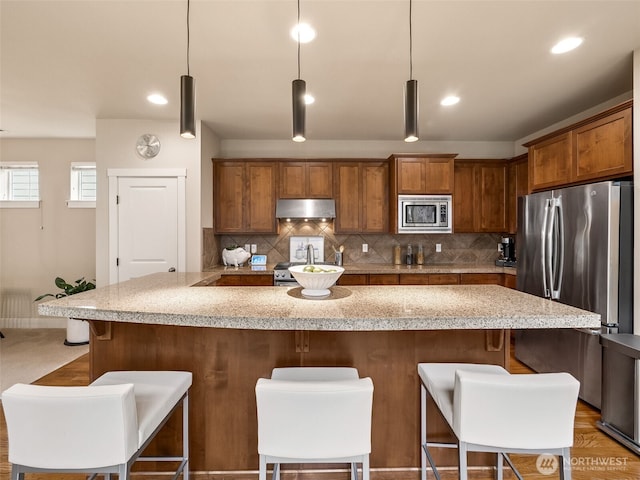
(230, 336)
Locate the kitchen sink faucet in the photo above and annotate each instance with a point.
(310, 255)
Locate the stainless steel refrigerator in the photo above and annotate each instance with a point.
(575, 246)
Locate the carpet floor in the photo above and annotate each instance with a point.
(26, 354)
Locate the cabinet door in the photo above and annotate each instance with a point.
(375, 197)
(439, 175)
(517, 185)
(490, 198)
(411, 175)
(261, 199)
(319, 181)
(228, 197)
(604, 148)
(463, 198)
(353, 279)
(292, 180)
(348, 197)
(550, 162)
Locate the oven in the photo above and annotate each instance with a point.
(425, 214)
(282, 276)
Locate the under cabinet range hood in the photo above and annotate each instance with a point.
(307, 208)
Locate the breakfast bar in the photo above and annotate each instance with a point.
(231, 336)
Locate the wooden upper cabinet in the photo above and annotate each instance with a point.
(463, 198)
(490, 196)
(479, 200)
(603, 148)
(244, 196)
(309, 179)
(517, 186)
(550, 162)
(362, 196)
(423, 174)
(597, 148)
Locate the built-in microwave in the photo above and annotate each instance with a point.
(425, 214)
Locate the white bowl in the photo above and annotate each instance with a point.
(316, 284)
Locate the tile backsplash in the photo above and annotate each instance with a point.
(457, 248)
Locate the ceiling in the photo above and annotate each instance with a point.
(66, 63)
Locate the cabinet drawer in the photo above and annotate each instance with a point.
(353, 279)
(481, 278)
(414, 279)
(444, 279)
(383, 279)
(245, 281)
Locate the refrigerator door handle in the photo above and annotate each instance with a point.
(546, 250)
(557, 223)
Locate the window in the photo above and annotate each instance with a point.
(19, 185)
(83, 185)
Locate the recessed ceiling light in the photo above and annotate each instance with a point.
(305, 31)
(566, 45)
(309, 99)
(450, 100)
(157, 99)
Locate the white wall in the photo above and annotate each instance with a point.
(636, 190)
(358, 149)
(115, 148)
(37, 245)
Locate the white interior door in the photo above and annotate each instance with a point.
(149, 224)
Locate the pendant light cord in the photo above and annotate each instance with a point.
(298, 39)
(188, 35)
(410, 42)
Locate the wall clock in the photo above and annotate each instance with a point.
(148, 145)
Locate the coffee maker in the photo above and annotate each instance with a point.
(508, 251)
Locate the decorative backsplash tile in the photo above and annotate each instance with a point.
(457, 248)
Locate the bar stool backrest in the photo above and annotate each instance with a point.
(529, 411)
(314, 419)
(70, 427)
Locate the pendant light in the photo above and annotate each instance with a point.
(187, 95)
(298, 91)
(411, 93)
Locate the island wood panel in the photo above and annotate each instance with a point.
(226, 364)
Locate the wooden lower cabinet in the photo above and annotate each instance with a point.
(481, 278)
(245, 280)
(226, 364)
(510, 281)
(353, 279)
(384, 279)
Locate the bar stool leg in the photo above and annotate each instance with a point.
(423, 432)
(365, 468)
(499, 466)
(462, 460)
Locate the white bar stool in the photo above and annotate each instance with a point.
(316, 421)
(102, 428)
(490, 410)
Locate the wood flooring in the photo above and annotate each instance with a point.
(595, 456)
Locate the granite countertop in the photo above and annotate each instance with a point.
(170, 299)
(379, 268)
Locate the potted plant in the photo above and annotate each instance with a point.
(77, 330)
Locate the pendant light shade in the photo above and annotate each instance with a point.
(411, 91)
(298, 90)
(411, 111)
(187, 94)
(187, 107)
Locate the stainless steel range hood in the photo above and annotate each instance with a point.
(308, 208)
